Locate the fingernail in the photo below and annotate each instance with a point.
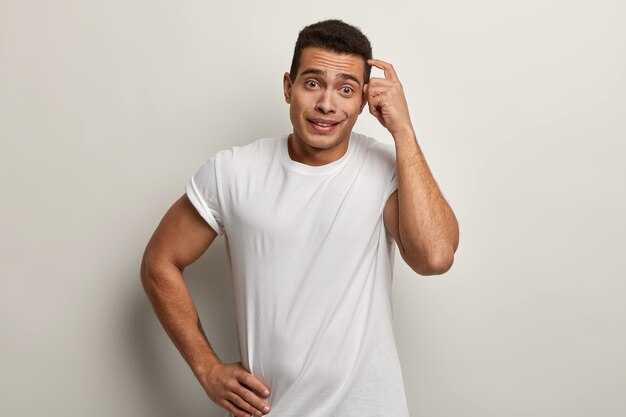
(266, 393)
(266, 409)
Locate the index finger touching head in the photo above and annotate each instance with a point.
(387, 68)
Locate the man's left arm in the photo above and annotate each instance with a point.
(417, 214)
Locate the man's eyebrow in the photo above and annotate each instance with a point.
(342, 76)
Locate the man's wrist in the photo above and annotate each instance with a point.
(405, 141)
(405, 132)
(205, 365)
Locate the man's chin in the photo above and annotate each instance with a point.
(324, 141)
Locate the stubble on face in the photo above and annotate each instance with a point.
(329, 86)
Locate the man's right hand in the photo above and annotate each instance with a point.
(231, 386)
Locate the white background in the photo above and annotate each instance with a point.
(107, 108)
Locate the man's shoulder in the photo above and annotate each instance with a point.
(252, 151)
(376, 150)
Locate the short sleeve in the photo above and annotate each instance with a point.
(389, 158)
(392, 186)
(202, 190)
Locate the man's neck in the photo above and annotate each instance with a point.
(309, 155)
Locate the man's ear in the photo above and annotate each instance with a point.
(364, 97)
(287, 87)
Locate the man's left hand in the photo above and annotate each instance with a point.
(386, 100)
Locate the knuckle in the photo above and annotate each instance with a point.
(245, 394)
(241, 408)
(248, 395)
(243, 376)
(232, 397)
(254, 404)
(231, 408)
(244, 380)
(231, 384)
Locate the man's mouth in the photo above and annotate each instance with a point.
(323, 125)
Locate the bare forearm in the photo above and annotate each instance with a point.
(177, 313)
(428, 228)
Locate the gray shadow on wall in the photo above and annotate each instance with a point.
(170, 387)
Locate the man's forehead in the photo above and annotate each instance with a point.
(319, 59)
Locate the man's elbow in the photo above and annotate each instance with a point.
(151, 267)
(442, 266)
(435, 266)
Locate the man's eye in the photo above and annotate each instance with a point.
(347, 90)
(311, 83)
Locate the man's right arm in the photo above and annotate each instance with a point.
(178, 241)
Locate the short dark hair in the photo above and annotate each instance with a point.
(335, 36)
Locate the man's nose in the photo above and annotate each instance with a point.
(325, 103)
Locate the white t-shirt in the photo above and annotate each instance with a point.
(312, 266)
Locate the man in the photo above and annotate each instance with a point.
(309, 219)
